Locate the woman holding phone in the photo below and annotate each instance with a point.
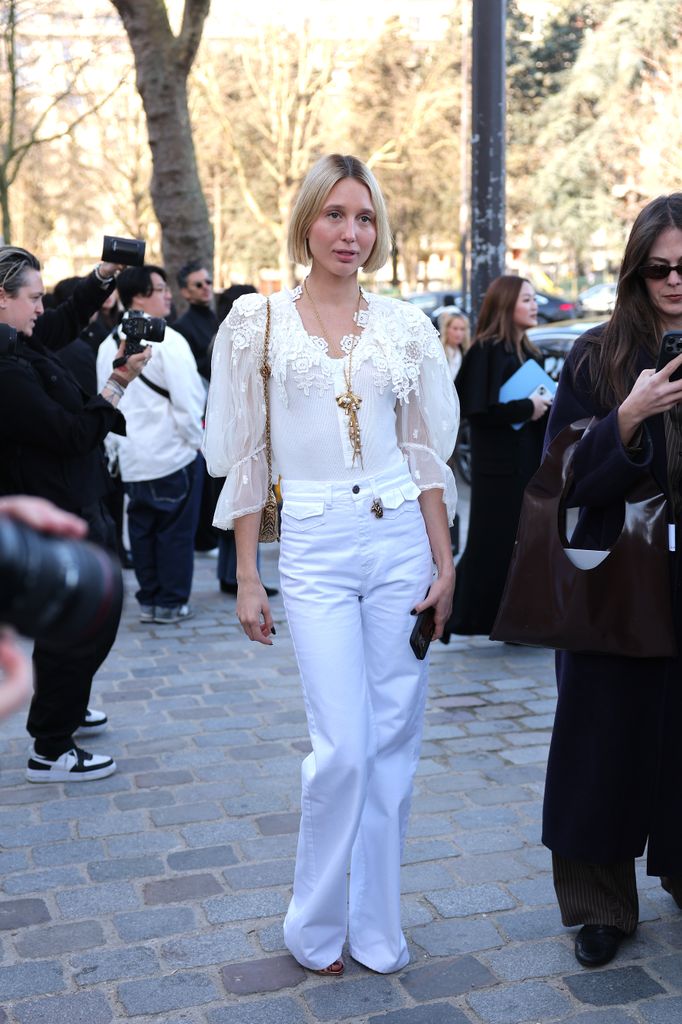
(615, 762)
(363, 414)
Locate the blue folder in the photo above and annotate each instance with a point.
(524, 382)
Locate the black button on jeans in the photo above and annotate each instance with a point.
(356, 489)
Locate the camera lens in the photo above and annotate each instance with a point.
(60, 591)
(156, 329)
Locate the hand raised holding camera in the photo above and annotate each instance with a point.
(128, 367)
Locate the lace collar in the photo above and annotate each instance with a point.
(395, 340)
(349, 341)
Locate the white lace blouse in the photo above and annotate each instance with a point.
(409, 410)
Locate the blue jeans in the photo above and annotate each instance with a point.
(162, 521)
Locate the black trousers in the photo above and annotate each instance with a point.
(206, 536)
(64, 674)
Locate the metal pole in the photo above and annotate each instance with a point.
(464, 143)
(488, 145)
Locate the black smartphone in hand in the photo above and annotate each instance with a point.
(671, 346)
(422, 633)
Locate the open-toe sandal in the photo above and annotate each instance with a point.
(336, 969)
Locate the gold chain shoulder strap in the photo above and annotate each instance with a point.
(265, 374)
(269, 523)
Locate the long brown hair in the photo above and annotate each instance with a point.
(496, 318)
(635, 323)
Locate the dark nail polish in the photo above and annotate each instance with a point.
(273, 631)
(413, 612)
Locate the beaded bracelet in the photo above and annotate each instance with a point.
(112, 386)
(100, 277)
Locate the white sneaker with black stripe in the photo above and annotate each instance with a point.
(75, 765)
(94, 723)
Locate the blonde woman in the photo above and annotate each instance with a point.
(455, 336)
(363, 413)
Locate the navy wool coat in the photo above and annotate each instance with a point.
(615, 762)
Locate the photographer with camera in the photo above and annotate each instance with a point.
(158, 459)
(50, 446)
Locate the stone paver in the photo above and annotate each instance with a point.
(158, 894)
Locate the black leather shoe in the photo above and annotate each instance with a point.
(596, 944)
(674, 887)
(231, 588)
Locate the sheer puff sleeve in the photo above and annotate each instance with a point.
(234, 440)
(428, 417)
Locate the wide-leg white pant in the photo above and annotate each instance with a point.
(349, 581)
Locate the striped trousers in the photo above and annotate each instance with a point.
(596, 893)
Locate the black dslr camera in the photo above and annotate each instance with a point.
(137, 327)
(9, 344)
(128, 251)
(57, 590)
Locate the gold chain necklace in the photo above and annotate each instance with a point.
(348, 400)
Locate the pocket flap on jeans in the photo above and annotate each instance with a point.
(397, 495)
(303, 509)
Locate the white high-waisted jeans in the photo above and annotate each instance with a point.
(349, 581)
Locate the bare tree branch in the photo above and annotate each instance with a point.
(193, 18)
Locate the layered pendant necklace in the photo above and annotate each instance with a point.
(347, 400)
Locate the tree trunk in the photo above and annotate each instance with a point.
(285, 203)
(162, 63)
(4, 205)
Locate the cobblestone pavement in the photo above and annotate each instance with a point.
(158, 894)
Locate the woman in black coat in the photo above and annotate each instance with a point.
(51, 435)
(502, 459)
(615, 763)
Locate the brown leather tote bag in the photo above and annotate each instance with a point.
(621, 605)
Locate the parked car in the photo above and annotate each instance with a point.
(555, 340)
(600, 298)
(550, 307)
(433, 303)
(555, 307)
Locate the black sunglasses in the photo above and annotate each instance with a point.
(202, 284)
(659, 271)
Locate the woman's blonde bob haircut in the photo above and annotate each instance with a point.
(317, 185)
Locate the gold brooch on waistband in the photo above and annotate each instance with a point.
(376, 508)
